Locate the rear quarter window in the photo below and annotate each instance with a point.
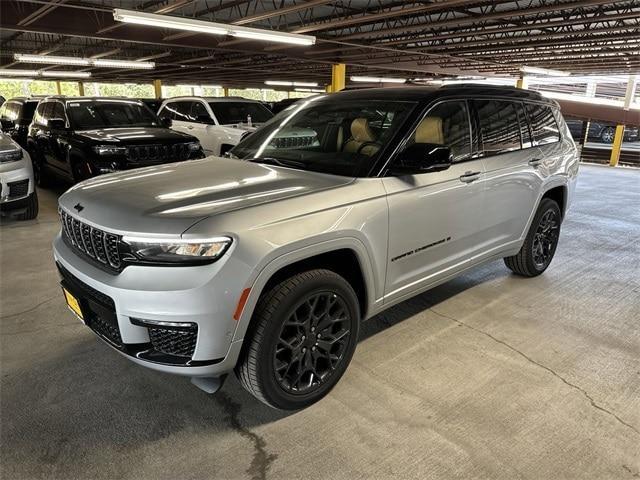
(543, 124)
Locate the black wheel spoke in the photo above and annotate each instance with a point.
(312, 342)
(545, 238)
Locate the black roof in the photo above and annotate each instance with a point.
(421, 93)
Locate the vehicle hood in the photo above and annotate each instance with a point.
(168, 199)
(135, 135)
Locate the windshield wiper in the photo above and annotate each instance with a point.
(276, 161)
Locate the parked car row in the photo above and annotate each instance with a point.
(600, 131)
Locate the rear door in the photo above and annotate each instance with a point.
(511, 158)
(434, 217)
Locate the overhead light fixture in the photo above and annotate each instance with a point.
(201, 26)
(312, 90)
(544, 71)
(42, 73)
(89, 62)
(60, 74)
(285, 83)
(378, 79)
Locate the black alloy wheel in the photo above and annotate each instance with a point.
(545, 239)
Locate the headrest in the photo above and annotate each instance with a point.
(430, 131)
(360, 130)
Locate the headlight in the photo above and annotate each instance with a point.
(194, 146)
(109, 150)
(178, 251)
(12, 155)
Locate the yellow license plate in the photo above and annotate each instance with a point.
(73, 303)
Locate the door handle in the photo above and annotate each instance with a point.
(535, 162)
(469, 177)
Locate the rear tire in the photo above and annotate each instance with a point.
(32, 208)
(305, 330)
(607, 135)
(541, 242)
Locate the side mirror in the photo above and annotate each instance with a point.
(166, 122)
(57, 124)
(423, 158)
(204, 119)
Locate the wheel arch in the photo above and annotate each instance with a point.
(347, 257)
(558, 194)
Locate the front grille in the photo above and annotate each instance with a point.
(99, 309)
(294, 142)
(93, 242)
(174, 342)
(158, 153)
(18, 189)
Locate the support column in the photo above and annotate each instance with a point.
(81, 89)
(338, 77)
(522, 82)
(225, 91)
(157, 88)
(616, 148)
(58, 87)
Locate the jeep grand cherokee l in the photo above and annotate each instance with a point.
(266, 263)
(78, 138)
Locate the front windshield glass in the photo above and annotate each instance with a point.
(337, 136)
(109, 113)
(229, 113)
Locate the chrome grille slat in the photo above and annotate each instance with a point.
(93, 242)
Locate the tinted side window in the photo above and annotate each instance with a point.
(199, 112)
(543, 124)
(167, 112)
(26, 115)
(57, 111)
(499, 127)
(183, 111)
(46, 112)
(446, 124)
(38, 117)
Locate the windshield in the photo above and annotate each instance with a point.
(341, 137)
(85, 115)
(238, 112)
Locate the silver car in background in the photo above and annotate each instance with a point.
(266, 262)
(18, 196)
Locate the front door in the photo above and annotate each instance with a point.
(434, 217)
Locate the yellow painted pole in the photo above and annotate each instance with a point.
(81, 89)
(616, 148)
(225, 91)
(157, 88)
(338, 77)
(58, 87)
(522, 82)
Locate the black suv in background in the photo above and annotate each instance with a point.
(15, 116)
(600, 131)
(79, 137)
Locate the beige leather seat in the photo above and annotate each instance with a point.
(430, 131)
(360, 135)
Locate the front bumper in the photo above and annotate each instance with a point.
(121, 309)
(16, 183)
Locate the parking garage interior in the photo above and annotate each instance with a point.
(488, 375)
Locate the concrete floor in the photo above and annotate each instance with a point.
(487, 376)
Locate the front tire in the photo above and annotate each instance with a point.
(304, 335)
(607, 135)
(541, 242)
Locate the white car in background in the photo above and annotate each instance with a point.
(18, 196)
(219, 123)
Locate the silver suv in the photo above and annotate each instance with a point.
(266, 262)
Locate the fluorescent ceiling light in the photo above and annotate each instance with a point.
(53, 73)
(378, 79)
(89, 62)
(544, 71)
(43, 73)
(285, 83)
(312, 90)
(18, 73)
(201, 26)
